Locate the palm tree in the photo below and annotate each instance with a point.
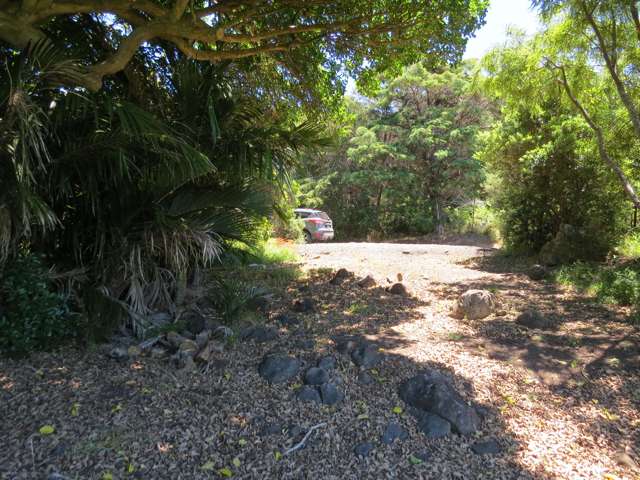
(136, 195)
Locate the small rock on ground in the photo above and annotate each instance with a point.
(308, 393)
(330, 394)
(432, 393)
(365, 379)
(532, 318)
(328, 363)
(345, 346)
(278, 369)
(434, 426)
(259, 334)
(316, 376)
(304, 305)
(392, 432)
(486, 447)
(366, 356)
(363, 449)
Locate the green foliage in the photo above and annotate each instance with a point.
(141, 194)
(232, 297)
(32, 316)
(617, 285)
(629, 246)
(544, 162)
(477, 218)
(273, 252)
(408, 160)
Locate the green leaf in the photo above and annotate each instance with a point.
(47, 429)
(225, 472)
(397, 410)
(242, 442)
(236, 462)
(277, 455)
(414, 460)
(208, 466)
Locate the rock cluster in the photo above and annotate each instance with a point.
(437, 405)
(188, 351)
(362, 353)
(318, 386)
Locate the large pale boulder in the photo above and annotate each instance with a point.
(475, 305)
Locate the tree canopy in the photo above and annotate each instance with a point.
(298, 37)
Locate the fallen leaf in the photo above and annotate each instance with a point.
(208, 466)
(225, 472)
(47, 430)
(414, 460)
(236, 462)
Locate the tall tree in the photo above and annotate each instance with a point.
(410, 156)
(599, 31)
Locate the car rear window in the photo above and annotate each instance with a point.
(322, 215)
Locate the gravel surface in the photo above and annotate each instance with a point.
(559, 404)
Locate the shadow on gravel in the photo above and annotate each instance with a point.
(591, 356)
(470, 240)
(143, 419)
(349, 312)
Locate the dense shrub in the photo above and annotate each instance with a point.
(33, 316)
(616, 285)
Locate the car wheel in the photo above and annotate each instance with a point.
(307, 237)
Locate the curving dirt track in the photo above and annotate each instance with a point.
(568, 398)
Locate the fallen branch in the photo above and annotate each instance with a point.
(302, 442)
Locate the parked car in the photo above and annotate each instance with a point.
(317, 225)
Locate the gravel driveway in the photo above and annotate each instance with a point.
(416, 262)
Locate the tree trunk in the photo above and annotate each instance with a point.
(610, 60)
(439, 224)
(602, 149)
